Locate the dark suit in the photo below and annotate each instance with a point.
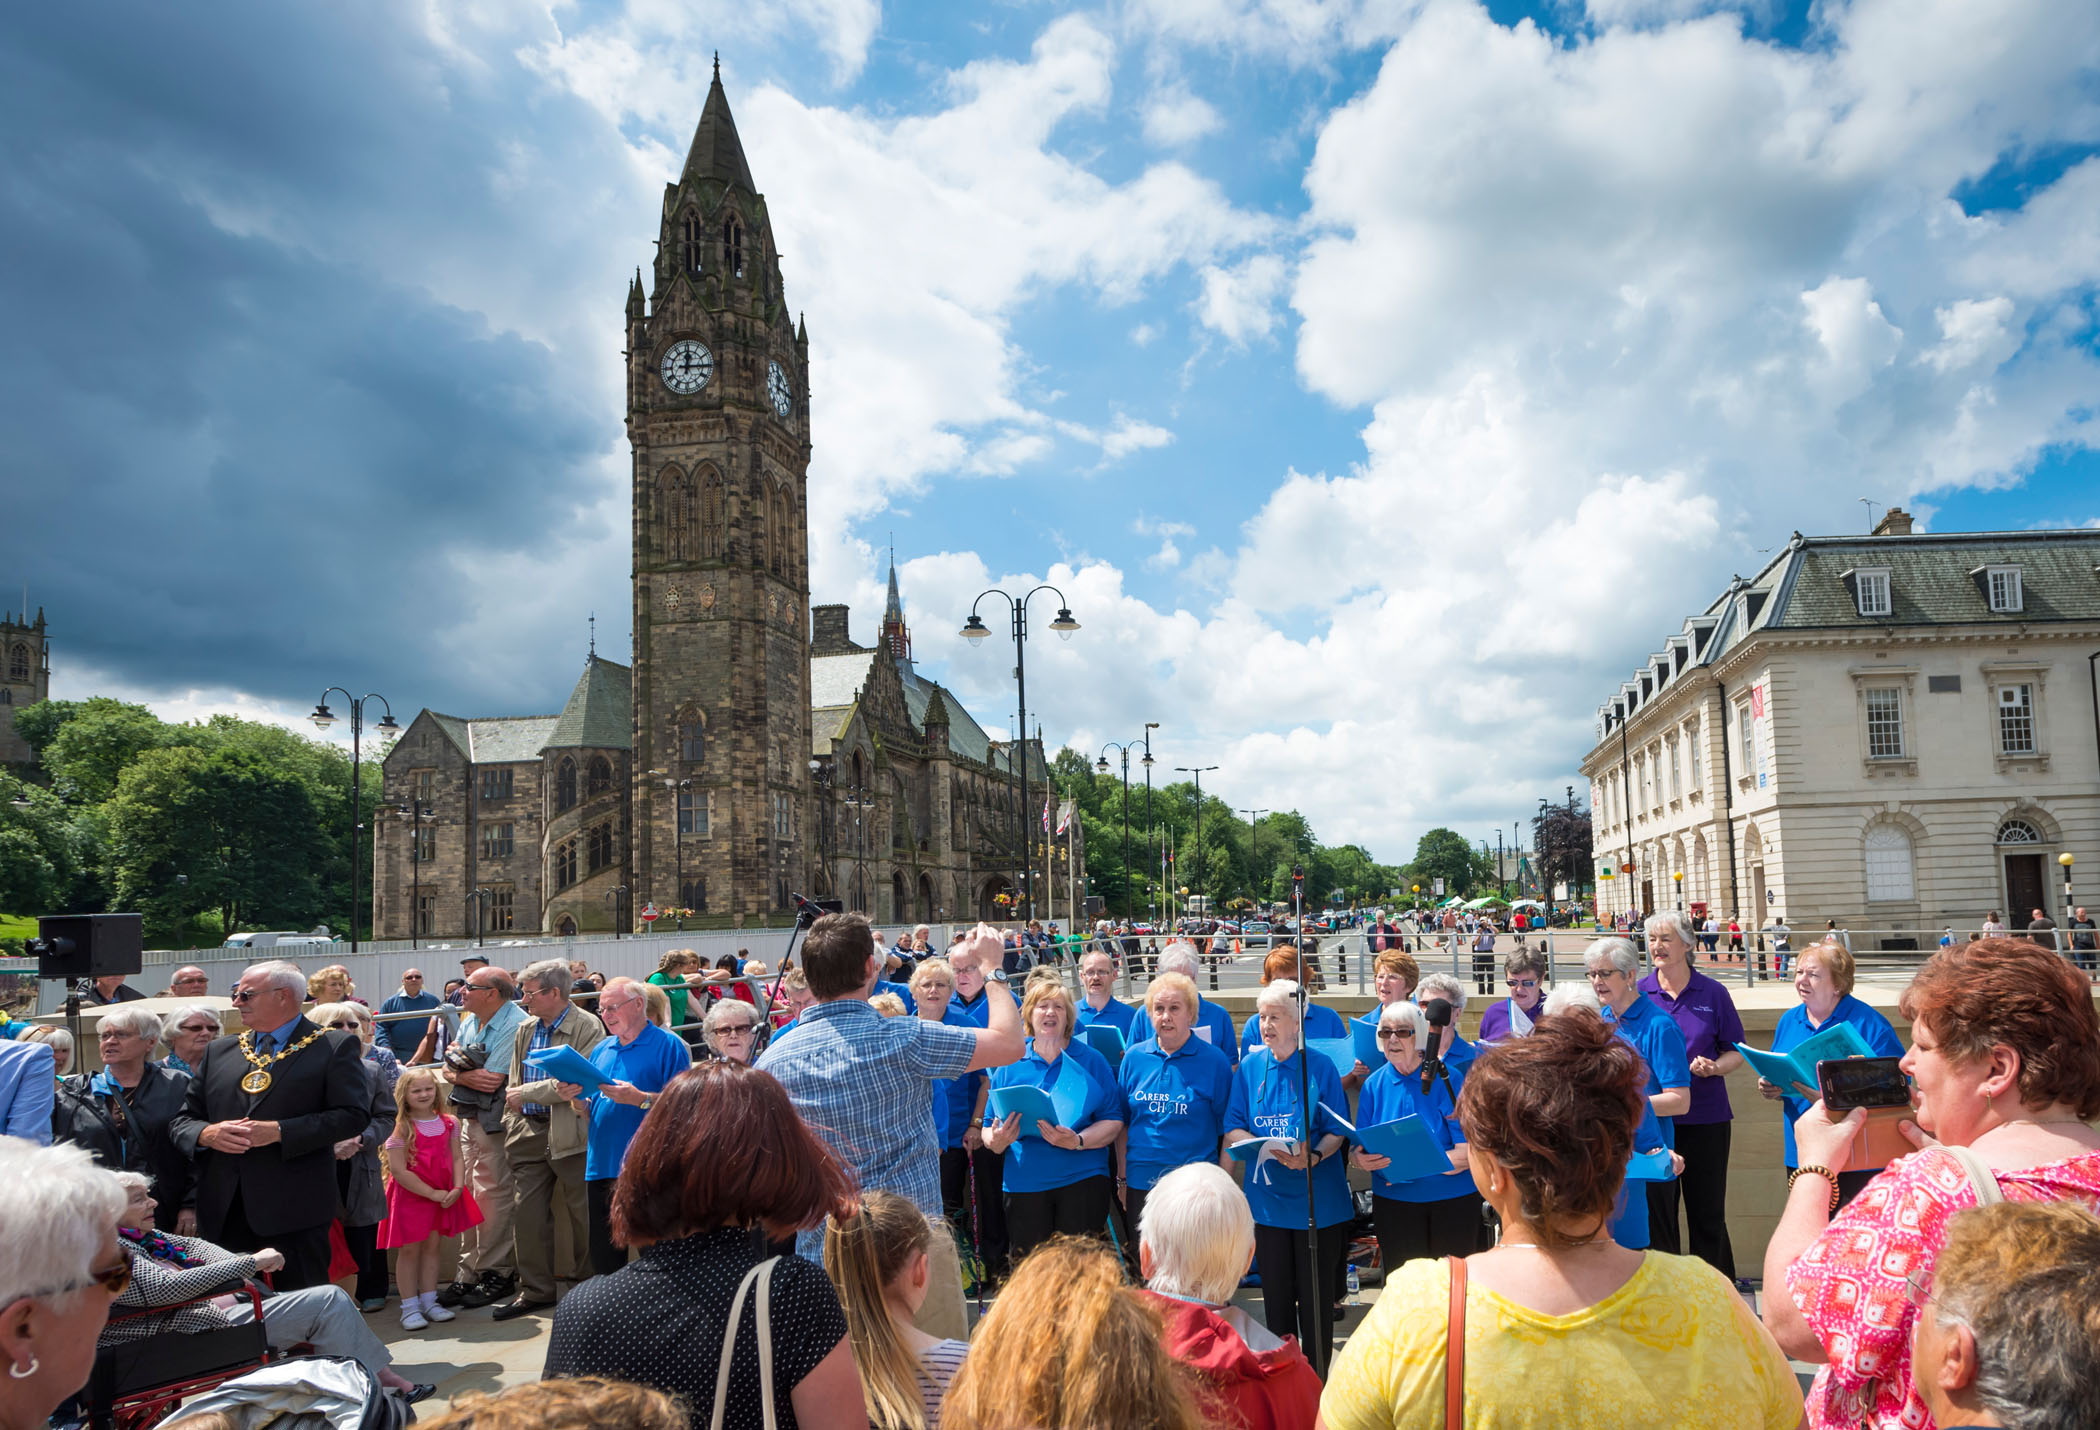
(283, 1195)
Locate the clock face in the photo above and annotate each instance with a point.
(687, 367)
(781, 390)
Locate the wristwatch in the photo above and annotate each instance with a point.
(997, 975)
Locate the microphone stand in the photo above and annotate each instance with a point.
(1316, 1352)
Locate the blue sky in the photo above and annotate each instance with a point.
(1378, 378)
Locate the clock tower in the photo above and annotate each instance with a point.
(718, 417)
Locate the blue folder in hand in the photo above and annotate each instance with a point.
(1411, 1146)
(1105, 1039)
(565, 1064)
(1650, 1167)
(1364, 1033)
(1840, 1040)
(1031, 1102)
(1339, 1051)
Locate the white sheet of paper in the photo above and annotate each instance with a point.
(1203, 1031)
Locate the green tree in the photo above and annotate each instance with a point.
(1448, 855)
(221, 832)
(90, 745)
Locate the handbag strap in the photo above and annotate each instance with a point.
(1455, 1349)
(762, 1275)
(1982, 1180)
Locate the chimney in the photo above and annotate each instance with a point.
(828, 631)
(1894, 522)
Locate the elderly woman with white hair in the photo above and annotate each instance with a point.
(730, 1030)
(1614, 967)
(1451, 1049)
(1436, 1213)
(1269, 1103)
(122, 1113)
(1175, 1089)
(1195, 1242)
(60, 1268)
(1706, 1015)
(1213, 1024)
(186, 1033)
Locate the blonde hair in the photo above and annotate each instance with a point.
(931, 968)
(1049, 991)
(1069, 1347)
(1837, 961)
(583, 1402)
(863, 1254)
(657, 1002)
(404, 1120)
(1174, 983)
(320, 978)
(889, 1005)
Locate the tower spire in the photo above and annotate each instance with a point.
(594, 639)
(895, 634)
(716, 152)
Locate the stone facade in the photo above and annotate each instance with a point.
(25, 679)
(1894, 731)
(705, 777)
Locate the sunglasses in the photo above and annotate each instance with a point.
(116, 1280)
(346, 1025)
(244, 995)
(1406, 1035)
(728, 1028)
(1523, 983)
(198, 1028)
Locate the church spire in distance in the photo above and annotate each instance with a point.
(717, 153)
(895, 634)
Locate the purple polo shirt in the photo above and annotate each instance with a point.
(1706, 1016)
(1494, 1023)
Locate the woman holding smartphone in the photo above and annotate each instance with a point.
(1823, 981)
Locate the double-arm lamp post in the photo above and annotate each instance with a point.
(1202, 883)
(974, 631)
(1101, 768)
(323, 717)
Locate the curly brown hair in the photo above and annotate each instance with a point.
(583, 1403)
(1558, 1109)
(2010, 992)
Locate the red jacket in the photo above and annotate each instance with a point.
(1269, 1389)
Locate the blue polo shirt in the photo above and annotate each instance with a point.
(1656, 1037)
(1213, 1025)
(1176, 1105)
(1321, 1021)
(955, 1098)
(1033, 1165)
(1265, 1101)
(649, 1063)
(1118, 1015)
(973, 1008)
(1794, 1030)
(1388, 1095)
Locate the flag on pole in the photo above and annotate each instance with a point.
(1046, 814)
(1064, 816)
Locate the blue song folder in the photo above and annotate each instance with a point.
(1413, 1149)
(1105, 1039)
(1840, 1040)
(565, 1064)
(1339, 1051)
(1062, 1105)
(1364, 1033)
(1650, 1167)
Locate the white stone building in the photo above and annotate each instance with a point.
(1898, 731)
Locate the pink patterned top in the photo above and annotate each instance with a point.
(1850, 1284)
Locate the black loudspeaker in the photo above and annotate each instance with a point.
(76, 946)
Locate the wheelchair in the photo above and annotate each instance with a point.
(137, 1384)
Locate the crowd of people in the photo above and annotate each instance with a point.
(767, 1198)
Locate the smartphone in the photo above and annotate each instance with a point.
(1878, 1085)
(1847, 1083)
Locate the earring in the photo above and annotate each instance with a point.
(16, 1372)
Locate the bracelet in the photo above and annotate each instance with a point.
(1824, 1172)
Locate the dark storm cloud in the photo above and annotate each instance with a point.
(239, 432)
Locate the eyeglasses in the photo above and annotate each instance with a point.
(1523, 982)
(1403, 1034)
(1918, 1287)
(198, 1028)
(116, 1280)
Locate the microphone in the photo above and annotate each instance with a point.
(1438, 1013)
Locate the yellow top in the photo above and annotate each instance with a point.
(1674, 1346)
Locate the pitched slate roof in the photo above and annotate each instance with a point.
(510, 738)
(600, 712)
(1930, 584)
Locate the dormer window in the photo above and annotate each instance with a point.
(2002, 586)
(1871, 590)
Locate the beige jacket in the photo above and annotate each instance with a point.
(566, 1129)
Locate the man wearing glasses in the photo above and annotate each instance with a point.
(405, 1035)
(261, 1122)
(544, 1136)
(487, 1253)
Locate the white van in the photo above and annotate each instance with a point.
(282, 945)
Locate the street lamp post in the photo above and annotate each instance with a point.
(1677, 877)
(678, 788)
(478, 900)
(1254, 853)
(858, 799)
(417, 812)
(1199, 771)
(1101, 768)
(2064, 861)
(323, 717)
(616, 893)
(974, 630)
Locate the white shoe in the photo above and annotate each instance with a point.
(412, 1319)
(435, 1312)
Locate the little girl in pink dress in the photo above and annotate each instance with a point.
(424, 1196)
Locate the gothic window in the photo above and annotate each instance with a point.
(565, 785)
(692, 737)
(565, 864)
(780, 534)
(690, 243)
(497, 841)
(712, 525)
(694, 895)
(600, 846)
(733, 248)
(426, 914)
(495, 784)
(692, 812)
(758, 524)
(677, 516)
(600, 777)
(18, 663)
(503, 910)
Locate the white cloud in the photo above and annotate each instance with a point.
(1972, 330)
(1175, 117)
(1239, 302)
(1170, 534)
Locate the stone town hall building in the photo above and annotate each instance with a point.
(735, 762)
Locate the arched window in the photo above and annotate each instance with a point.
(564, 864)
(600, 777)
(733, 248)
(677, 516)
(565, 785)
(690, 243)
(692, 736)
(2018, 831)
(1889, 867)
(694, 895)
(18, 663)
(600, 846)
(759, 502)
(712, 524)
(780, 534)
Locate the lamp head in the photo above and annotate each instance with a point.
(323, 717)
(1101, 765)
(387, 721)
(1064, 625)
(974, 629)
(2065, 859)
